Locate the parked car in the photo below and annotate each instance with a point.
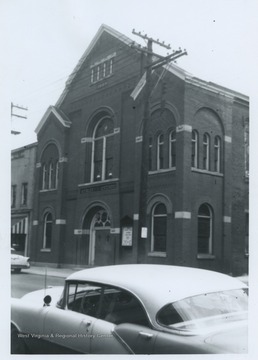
(134, 309)
(19, 262)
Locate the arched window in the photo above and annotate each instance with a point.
(102, 154)
(194, 149)
(49, 159)
(205, 230)
(206, 152)
(56, 174)
(217, 154)
(51, 176)
(47, 235)
(159, 228)
(44, 177)
(150, 153)
(172, 149)
(160, 152)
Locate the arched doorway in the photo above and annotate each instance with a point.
(99, 241)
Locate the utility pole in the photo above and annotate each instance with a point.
(150, 66)
(14, 132)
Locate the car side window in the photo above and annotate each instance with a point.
(83, 298)
(123, 307)
(105, 302)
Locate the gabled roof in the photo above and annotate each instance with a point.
(60, 116)
(171, 67)
(102, 29)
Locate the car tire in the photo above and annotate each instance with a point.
(17, 271)
(17, 344)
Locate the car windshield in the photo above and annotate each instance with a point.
(204, 310)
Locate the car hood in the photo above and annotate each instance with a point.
(234, 339)
(19, 257)
(38, 295)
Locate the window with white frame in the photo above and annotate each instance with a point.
(24, 194)
(205, 230)
(194, 149)
(159, 228)
(44, 177)
(206, 152)
(102, 69)
(160, 152)
(102, 151)
(217, 154)
(56, 174)
(172, 148)
(51, 175)
(150, 153)
(47, 233)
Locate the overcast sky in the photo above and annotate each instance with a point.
(44, 40)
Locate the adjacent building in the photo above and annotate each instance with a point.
(23, 162)
(87, 199)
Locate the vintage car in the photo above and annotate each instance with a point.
(19, 262)
(134, 309)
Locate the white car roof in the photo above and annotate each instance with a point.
(157, 285)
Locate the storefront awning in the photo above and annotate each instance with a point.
(19, 225)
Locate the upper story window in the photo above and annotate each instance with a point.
(217, 154)
(102, 69)
(47, 235)
(194, 149)
(150, 153)
(160, 152)
(159, 228)
(13, 195)
(50, 168)
(172, 149)
(24, 194)
(102, 151)
(206, 152)
(205, 230)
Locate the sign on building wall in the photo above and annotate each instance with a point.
(127, 236)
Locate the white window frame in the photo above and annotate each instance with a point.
(160, 145)
(46, 222)
(56, 174)
(206, 151)
(153, 216)
(44, 177)
(51, 176)
(195, 142)
(217, 154)
(104, 139)
(210, 217)
(172, 141)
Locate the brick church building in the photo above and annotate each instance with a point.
(88, 168)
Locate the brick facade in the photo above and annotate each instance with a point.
(89, 160)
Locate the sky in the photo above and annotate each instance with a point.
(44, 39)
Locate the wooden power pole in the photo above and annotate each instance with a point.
(150, 66)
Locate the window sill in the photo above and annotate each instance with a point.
(47, 190)
(161, 171)
(99, 182)
(45, 250)
(207, 172)
(157, 254)
(205, 257)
